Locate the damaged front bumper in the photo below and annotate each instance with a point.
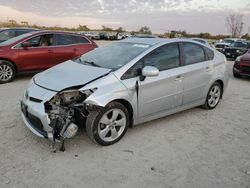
(54, 115)
(33, 110)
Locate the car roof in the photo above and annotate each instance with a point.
(18, 28)
(53, 32)
(154, 41)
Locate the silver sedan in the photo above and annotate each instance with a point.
(123, 84)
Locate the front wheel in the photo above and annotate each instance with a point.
(109, 125)
(7, 72)
(213, 96)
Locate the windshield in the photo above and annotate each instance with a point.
(113, 56)
(239, 44)
(227, 41)
(15, 39)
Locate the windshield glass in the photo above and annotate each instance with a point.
(15, 39)
(113, 56)
(227, 41)
(239, 44)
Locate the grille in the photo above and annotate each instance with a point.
(245, 69)
(36, 123)
(229, 50)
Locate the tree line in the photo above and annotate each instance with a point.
(234, 24)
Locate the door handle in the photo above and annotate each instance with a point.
(50, 51)
(75, 50)
(178, 78)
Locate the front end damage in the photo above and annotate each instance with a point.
(67, 112)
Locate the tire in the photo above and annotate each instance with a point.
(7, 72)
(213, 96)
(107, 126)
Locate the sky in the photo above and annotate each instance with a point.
(161, 16)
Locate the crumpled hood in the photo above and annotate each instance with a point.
(68, 74)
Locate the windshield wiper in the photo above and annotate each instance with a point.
(91, 63)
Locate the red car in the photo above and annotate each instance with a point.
(40, 50)
(242, 65)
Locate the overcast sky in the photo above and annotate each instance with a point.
(194, 16)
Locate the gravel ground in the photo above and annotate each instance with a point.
(194, 148)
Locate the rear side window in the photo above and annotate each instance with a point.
(79, 40)
(164, 58)
(209, 53)
(62, 39)
(192, 53)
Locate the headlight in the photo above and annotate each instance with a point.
(238, 51)
(238, 59)
(88, 92)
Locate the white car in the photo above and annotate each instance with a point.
(121, 85)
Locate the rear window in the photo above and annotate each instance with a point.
(79, 40)
(209, 53)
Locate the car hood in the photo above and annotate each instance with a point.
(69, 74)
(246, 57)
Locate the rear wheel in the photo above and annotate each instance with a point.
(7, 71)
(213, 96)
(109, 125)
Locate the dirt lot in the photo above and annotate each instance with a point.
(194, 148)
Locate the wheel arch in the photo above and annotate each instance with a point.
(129, 107)
(12, 62)
(219, 81)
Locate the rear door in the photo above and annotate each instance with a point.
(64, 48)
(81, 45)
(39, 55)
(194, 77)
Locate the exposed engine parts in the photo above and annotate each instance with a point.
(62, 110)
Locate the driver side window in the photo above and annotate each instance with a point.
(35, 41)
(42, 40)
(164, 58)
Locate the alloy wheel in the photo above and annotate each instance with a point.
(6, 72)
(112, 125)
(214, 96)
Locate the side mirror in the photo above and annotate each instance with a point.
(26, 45)
(150, 71)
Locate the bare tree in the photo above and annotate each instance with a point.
(235, 24)
(145, 30)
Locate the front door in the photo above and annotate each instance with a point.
(39, 55)
(163, 92)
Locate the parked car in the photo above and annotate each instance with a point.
(203, 41)
(92, 35)
(40, 50)
(123, 84)
(143, 36)
(220, 46)
(236, 49)
(242, 65)
(8, 33)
